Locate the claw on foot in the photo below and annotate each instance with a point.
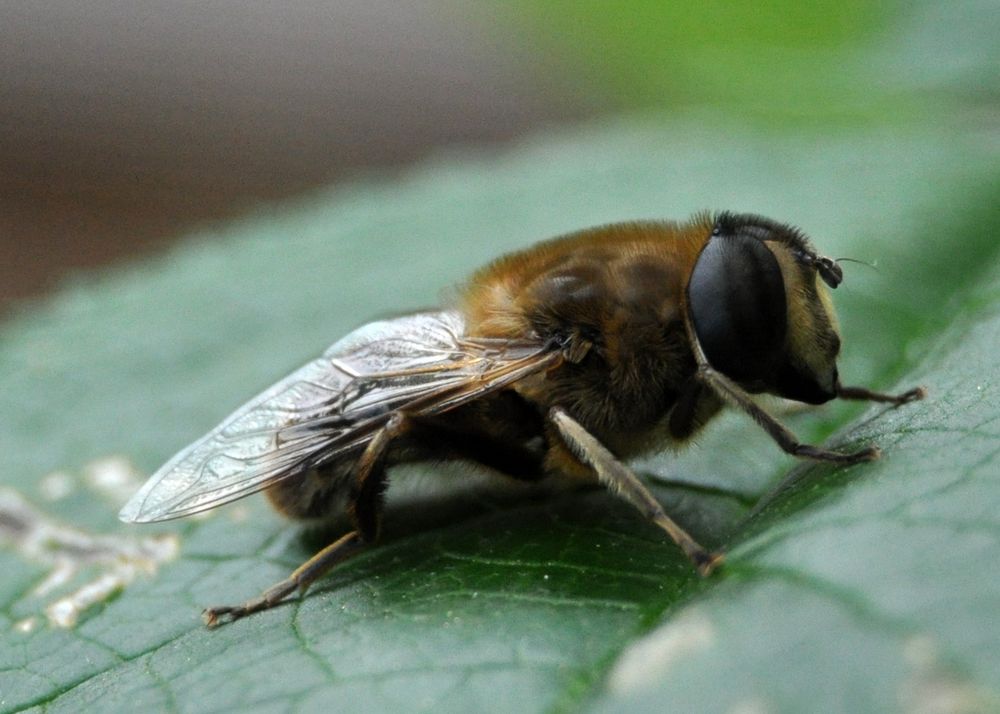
(912, 395)
(706, 563)
(213, 616)
(210, 616)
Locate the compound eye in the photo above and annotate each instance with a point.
(736, 297)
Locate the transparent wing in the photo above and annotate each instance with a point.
(418, 363)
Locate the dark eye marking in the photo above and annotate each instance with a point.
(736, 297)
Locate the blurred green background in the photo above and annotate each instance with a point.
(773, 64)
(768, 63)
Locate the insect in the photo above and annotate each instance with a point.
(560, 361)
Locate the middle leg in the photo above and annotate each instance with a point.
(620, 480)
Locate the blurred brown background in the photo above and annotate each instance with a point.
(123, 124)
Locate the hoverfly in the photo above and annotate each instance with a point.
(559, 361)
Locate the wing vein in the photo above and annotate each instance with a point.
(421, 363)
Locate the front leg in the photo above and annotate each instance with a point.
(732, 393)
(621, 482)
(865, 394)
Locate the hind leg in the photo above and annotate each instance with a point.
(369, 481)
(436, 437)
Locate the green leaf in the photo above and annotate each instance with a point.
(866, 588)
